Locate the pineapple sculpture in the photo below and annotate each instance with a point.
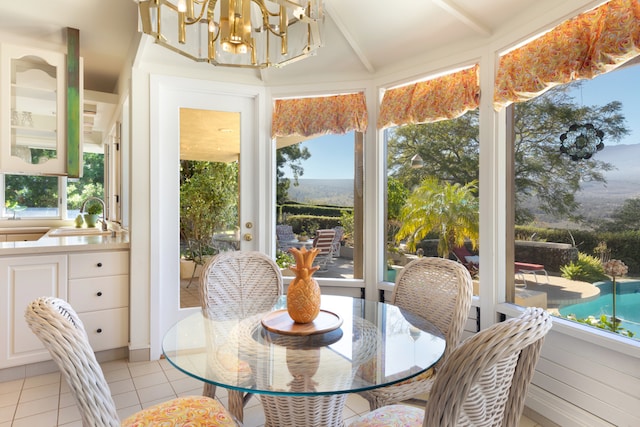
(303, 294)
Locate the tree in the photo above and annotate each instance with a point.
(450, 150)
(541, 171)
(625, 218)
(292, 156)
(450, 210)
(208, 202)
(396, 198)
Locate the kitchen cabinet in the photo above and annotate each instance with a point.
(99, 292)
(95, 283)
(22, 280)
(33, 112)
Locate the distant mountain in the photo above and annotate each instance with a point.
(625, 158)
(598, 200)
(334, 192)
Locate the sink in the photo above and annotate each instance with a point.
(72, 231)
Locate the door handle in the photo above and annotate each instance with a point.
(248, 237)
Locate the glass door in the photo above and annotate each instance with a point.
(209, 192)
(205, 192)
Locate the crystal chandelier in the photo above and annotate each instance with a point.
(237, 33)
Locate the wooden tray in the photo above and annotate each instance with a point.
(280, 322)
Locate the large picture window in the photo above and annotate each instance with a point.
(577, 203)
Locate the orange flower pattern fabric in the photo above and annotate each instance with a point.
(193, 411)
(590, 44)
(318, 116)
(392, 415)
(442, 98)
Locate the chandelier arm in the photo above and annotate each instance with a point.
(212, 6)
(199, 17)
(266, 13)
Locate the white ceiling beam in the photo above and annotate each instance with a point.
(462, 16)
(347, 35)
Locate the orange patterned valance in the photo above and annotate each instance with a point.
(581, 48)
(318, 116)
(442, 98)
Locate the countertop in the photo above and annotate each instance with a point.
(65, 244)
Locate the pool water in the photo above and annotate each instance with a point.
(627, 305)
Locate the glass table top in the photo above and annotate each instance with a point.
(377, 344)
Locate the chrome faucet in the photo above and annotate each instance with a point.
(104, 209)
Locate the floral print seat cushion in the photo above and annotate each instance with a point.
(392, 416)
(192, 411)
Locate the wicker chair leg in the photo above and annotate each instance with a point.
(209, 390)
(236, 404)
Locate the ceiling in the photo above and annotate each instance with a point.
(361, 38)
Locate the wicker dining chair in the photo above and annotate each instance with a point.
(246, 282)
(61, 331)
(483, 382)
(439, 290)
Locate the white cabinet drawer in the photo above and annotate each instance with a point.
(99, 293)
(107, 329)
(94, 264)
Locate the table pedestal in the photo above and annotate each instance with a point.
(308, 411)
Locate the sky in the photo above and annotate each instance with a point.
(332, 155)
(622, 85)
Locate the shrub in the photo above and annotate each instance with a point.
(284, 259)
(587, 269)
(602, 322)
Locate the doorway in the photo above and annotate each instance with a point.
(202, 108)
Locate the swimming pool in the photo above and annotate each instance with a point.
(627, 305)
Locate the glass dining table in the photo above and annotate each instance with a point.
(303, 378)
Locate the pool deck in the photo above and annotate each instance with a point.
(561, 291)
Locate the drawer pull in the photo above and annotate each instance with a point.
(99, 264)
(99, 293)
(99, 330)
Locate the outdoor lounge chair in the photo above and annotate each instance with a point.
(472, 262)
(324, 242)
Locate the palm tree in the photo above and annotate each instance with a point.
(451, 210)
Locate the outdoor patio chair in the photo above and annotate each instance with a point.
(324, 242)
(284, 235)
(472, 262)
(231, 277)
(439, 290)
(337, 241)
(61, 331)
(483, 382)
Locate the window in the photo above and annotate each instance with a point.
(574, 212)
(317, 188)
(50, 197)
(432, 199)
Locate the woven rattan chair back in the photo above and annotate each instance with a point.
(250, 281)
(439, 290)
(60, 329)
(484, 381)
(239, 284)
